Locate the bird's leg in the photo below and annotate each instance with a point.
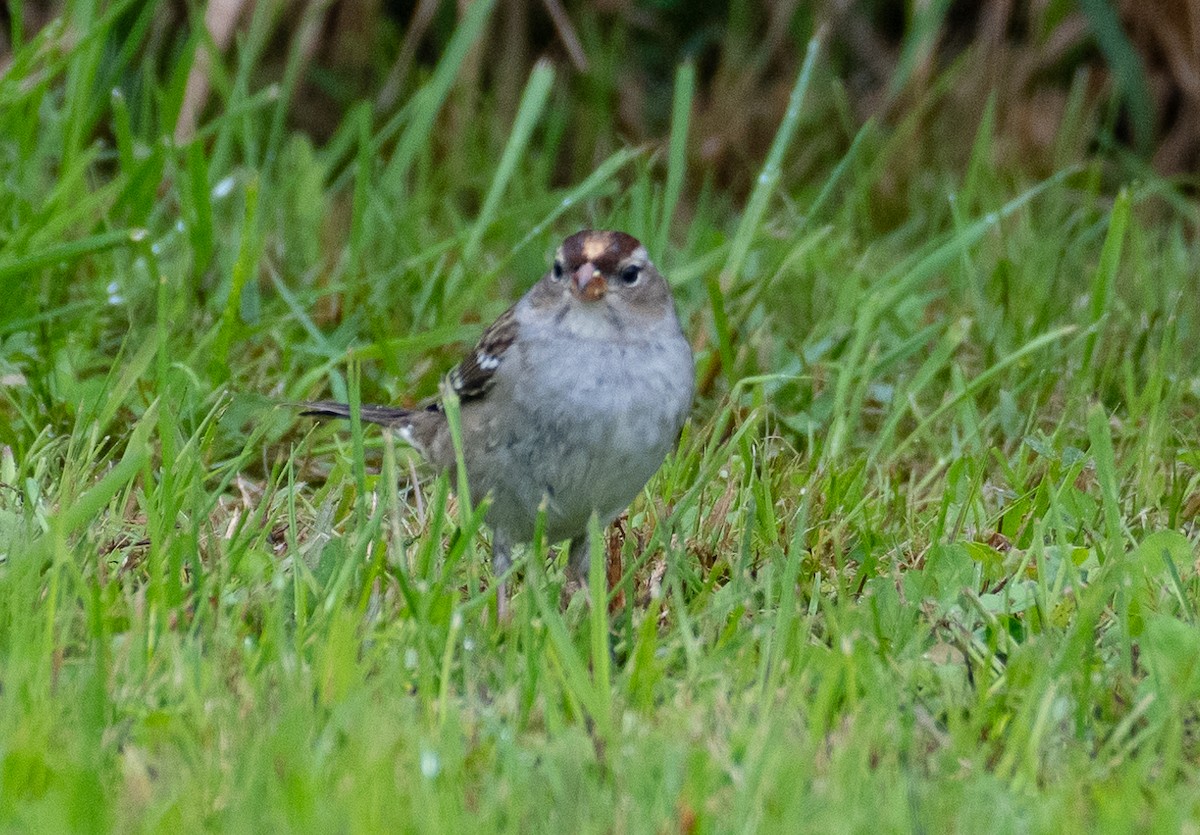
(578, 562)
(501, 562)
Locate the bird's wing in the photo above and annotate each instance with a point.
(476, 373)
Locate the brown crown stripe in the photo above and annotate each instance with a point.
(604, 249)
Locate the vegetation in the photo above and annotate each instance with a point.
(925, 559)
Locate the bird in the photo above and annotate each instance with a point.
(571, 400)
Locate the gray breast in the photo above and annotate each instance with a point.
(591, 422)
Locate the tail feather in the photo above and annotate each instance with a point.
(422, 428)
(380, 415)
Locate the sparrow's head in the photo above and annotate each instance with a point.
(605, 266)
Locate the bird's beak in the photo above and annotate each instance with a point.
(588, 284)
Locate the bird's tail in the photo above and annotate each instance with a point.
(380, 415)
(419, 427)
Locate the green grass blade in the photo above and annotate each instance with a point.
(15, 267)
(597, 580)
(677, 160)
(1106, 273)
(533, 101)
(1102, 453)
(433, 95)
(245, 265)
(756, 206)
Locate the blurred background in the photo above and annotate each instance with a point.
(356, 152)
(1122, 75)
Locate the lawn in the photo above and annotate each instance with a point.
(925, 559)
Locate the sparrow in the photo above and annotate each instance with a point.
(570, 401)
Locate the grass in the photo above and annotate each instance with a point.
(925, 559)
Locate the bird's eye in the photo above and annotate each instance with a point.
(557, 272)
(630, 275)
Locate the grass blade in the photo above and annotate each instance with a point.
(681, 112)
(432, 96)
(1106, 273)
(533, 101)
